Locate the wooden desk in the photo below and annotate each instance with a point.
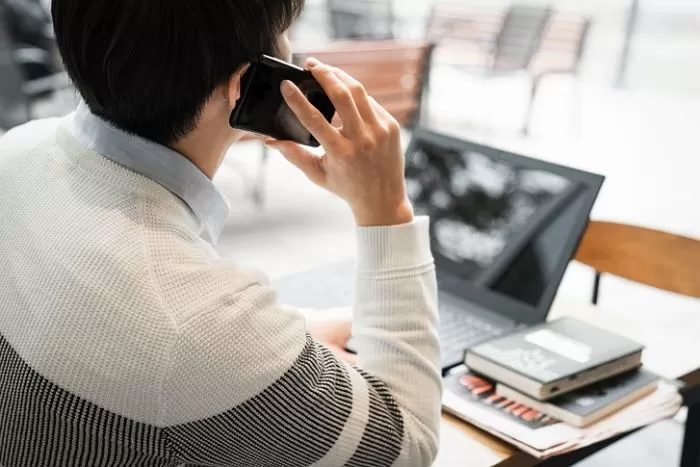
(465, 445)
(462, 444)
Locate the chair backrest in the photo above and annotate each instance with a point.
(394, 72)
(361, 19)
(658, 259)
(449, 20)
(520, 37)
(562, 44)
(14, 103)
(464, 34)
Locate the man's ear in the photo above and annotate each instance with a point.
(233, 90)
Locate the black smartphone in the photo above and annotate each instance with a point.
(261, 108)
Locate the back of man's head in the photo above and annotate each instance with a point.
(149, 66)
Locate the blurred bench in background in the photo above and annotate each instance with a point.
(533, 42)
(30, 72)
(395, 73)
(340, 20)
(361, 19)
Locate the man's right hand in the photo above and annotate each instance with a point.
(363, 162)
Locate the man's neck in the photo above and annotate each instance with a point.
(206, 146)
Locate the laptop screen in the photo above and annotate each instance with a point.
(478, 205)
(534, 269)
(503, 227)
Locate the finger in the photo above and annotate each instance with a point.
(380, 110)
(385, 117)
(359, 93)
(304, 160)
(338, 93)
(309, 116)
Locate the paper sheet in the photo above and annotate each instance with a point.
(558, 438)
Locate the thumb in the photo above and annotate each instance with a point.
(304, 160)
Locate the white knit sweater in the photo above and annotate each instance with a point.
(126, 340)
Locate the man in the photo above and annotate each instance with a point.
(124, 338)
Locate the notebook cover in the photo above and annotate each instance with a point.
(555, 350)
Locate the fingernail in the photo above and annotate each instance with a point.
(312, 62)
(271, 143)
(286, 88)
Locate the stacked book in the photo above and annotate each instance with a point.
(557, 387)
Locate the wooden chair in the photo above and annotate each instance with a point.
(534, 42)
(657, 259)
(465, 35)
(395, 73)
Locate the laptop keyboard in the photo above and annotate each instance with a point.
(332, 286)
(460, 329)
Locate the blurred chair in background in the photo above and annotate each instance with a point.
(559, 52)
(528, 41)
(658, 259)
(30, 68)
(650, 257)
(465, 36)
(14, 107)
(395, 73)
(30, 29)
(361, 19)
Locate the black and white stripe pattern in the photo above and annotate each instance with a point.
(41, 425)
(381, 443)
(297, 419)
(294, 422)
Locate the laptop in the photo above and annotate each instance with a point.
(503, 230)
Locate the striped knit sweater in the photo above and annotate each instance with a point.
(126, 341)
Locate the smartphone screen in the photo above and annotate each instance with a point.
(261, 108)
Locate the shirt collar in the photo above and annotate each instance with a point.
(161, 164)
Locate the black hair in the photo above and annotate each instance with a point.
(150, 66)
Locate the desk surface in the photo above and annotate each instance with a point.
(463, 444)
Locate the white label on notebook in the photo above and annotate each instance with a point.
(562, 345)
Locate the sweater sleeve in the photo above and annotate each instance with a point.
(395, 328)
(248, 385)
